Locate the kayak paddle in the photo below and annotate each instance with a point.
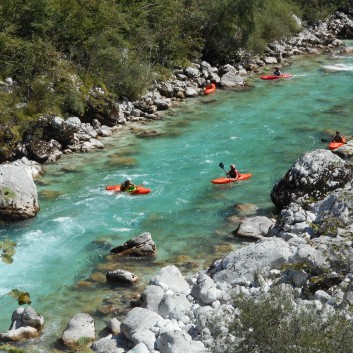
(222, 166)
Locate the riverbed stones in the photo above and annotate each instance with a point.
(18, 193)
(80, 325)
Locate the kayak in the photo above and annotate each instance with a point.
(139, 190)
(224, 180)
(209, 88)
(275, 77)
(333, 145)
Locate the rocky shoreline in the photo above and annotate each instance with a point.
(307, 252)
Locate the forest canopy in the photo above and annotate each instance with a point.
(56, 50)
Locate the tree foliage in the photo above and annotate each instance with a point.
(125, 44)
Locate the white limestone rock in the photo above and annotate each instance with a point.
(80, 325)
(171, 277)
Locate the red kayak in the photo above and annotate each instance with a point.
(209, 88)
(333, 145)
(224, 180)
(275, 77)
(139, 190)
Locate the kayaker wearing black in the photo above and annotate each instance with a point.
(232, 173)
(277, 71)
(338, 137)
(127, 185)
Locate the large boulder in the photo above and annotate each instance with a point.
(170, 277)
(18, 193)
(26, 324)
(253, 228)
(140, 319)
(80, 325)
(241, 266)
(313, 176)
(44, 151)
(141, 246)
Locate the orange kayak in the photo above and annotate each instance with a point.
(275, 77)
(223, 180)
(209, 88)
(138, 191)
(333, 145)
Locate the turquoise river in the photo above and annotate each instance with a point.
(62, 255)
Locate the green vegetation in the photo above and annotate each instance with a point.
(56, 51)
(274, 324)
(7, 250)
(11, 349)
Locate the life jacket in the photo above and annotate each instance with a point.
(233, 173)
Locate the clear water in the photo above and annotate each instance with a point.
(61, 255)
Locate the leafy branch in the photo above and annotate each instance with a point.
(7, 250)
(21, 297)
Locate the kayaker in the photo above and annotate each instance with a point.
(127, 185)
(232, 173)
(277, 71)
(338, 137)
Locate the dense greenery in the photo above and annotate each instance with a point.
(273, 324)
(55, 50)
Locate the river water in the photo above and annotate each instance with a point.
(62, 255)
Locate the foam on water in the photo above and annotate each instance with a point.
(338, 67)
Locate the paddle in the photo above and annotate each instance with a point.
(222, 166)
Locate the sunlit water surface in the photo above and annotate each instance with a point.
(62, 255)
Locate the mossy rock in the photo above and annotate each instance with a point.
(7, 193)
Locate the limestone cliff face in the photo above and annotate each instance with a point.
(18, 193)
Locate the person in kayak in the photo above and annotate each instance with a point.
(338, 137)
(232, 173)
(127, 185)
(277, 71)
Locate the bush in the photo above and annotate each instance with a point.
(273, 323)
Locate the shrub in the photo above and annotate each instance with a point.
(273, 323)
